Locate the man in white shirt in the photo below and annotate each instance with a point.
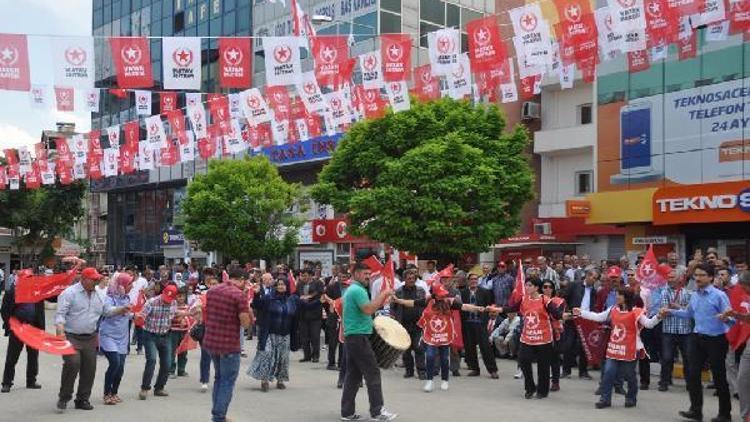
(431, 271)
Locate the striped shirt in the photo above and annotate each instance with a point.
(673, 324)
(158, 315)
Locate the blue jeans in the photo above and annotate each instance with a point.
(227, 367)
(669, 343)
(619, 370)
(205, 365)
(156, 345)
(433, 351)
(113, 376)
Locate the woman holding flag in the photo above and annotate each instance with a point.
(114, 335)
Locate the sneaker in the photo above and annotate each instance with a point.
(142, 395)
(602, 405)
(161, 393)
(5, 389)
(444, 385)
(555, 386)
(33, 386)
(204, 388)
(384, 416)
(280, 385)
(61, 406)
(428, 387)
(630, 403)
(182, 374)
(354, 417)
(663, 387)
(83, 405)
(518, 375)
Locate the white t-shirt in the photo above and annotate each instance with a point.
(139, 284)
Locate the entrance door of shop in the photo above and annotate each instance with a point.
(730, 239)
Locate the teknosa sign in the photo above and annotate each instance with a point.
(707, 203)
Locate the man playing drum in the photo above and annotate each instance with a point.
(360, 358)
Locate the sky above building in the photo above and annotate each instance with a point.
(41, 20)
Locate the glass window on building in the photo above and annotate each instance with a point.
(468, 15)
(230, 21)
(116, 9)
(432, 10)
(584, 182)
(108, 13)
(390, 23)
(167, 8)
(243, 19)
(214, 27)
(179, 5)
(364, 26)
(166, 26)
(203, 29)
(424, 29)
(202, 11)
(215, 8)
(584, 114)
(179, 22)
(452, 15)
(392, 5)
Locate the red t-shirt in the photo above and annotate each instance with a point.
(224, 304)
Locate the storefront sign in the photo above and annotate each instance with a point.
(650, 240)
(707, 203)
(311, 150)
(577, 208)
(172, 238)
(335, 230)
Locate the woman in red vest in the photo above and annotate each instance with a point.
(536, 336)
(624, 347)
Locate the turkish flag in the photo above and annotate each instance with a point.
(638, 61)
(167, 101)
(395, 52)
(132, 60)
(687, 47)
(486, 48)
(593, 338)
(14, 63)
(389, 277)
(235, 62)
(39, 339)
(374, 103)
(740, 301)
(374, 265)
(32, 289)
(427, 84)
(519, 290)
(279, 101)
(64, 98)
(330, 54)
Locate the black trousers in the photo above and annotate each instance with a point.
(15, 346)
(573, 351)
(309, 335)
(543, 356)
(332, 340)
(476, 335)
(83, 362)
(414, 356)
(360, 362)
(711, 349)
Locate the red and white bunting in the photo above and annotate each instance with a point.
(398, 95)
(372, 72)
(254, 107)
(167, 101)
(143, 103)
(155, 131)
(73, 62)
(14, 63)
(64, 99)
(444, 49)
(111, 162)
(193, 98)
(310, 94)
(113, 136)
(627, 15)
(638, 61)
(330, 54)
(91, 99)
(181, 58)
(235, 62)
(486, 48)
(279, 101)
(427, 85)
(395, 53)
(38, 97)
(339, 107)
(282, 60)
(187, 148)
(532, 33)
(145, 155)
(459, 80)
(132, 59)
(610, 41)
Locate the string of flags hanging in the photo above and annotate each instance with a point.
(296, 105)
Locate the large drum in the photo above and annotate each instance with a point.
(389, 340)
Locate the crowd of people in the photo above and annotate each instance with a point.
(450, 315)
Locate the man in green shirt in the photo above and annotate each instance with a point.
(360, 358)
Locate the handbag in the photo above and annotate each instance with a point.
(198, 331)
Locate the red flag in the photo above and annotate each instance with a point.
(486, 48)
(279, 101)
(127, 159)
(458, 338)
(170, 154)
(374, 265)
(395, 52)
(40, 340)
(389, 278)
(576, 20)
(687, 47)
(687, 7)
(638, 61)
(33, 180)
(64, 99)
(235, 62)
(177, 122)
(662, 23)
(740, 301)
(527, 86)
(11, 156)
(14, 63)
(739, 16)
(187, 343)
(40, 149)
(119, 93)
(292, 283)
(94, 157)
(132, 60)
(427, 85)
(519, 290)
(167, 101)
(3, 178)
(374, 103)
(330, 55)
(593, 339)
(313, 125)
(218, 105)
(207, 146)
(132, 133)
(32, 289)
(648, 272)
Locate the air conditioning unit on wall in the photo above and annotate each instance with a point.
(543, 228)
(530, 110)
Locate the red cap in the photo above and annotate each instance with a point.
(169, 293)
(614, 271)
(439, 291)
(91, 273)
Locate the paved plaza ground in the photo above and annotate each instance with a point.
(312, 396)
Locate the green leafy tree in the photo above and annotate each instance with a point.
(241, 209)
(439, 180)
(38, 216)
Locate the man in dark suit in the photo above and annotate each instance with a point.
(311, 316)
(581, 294)
(29, 313)
(474, 327)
